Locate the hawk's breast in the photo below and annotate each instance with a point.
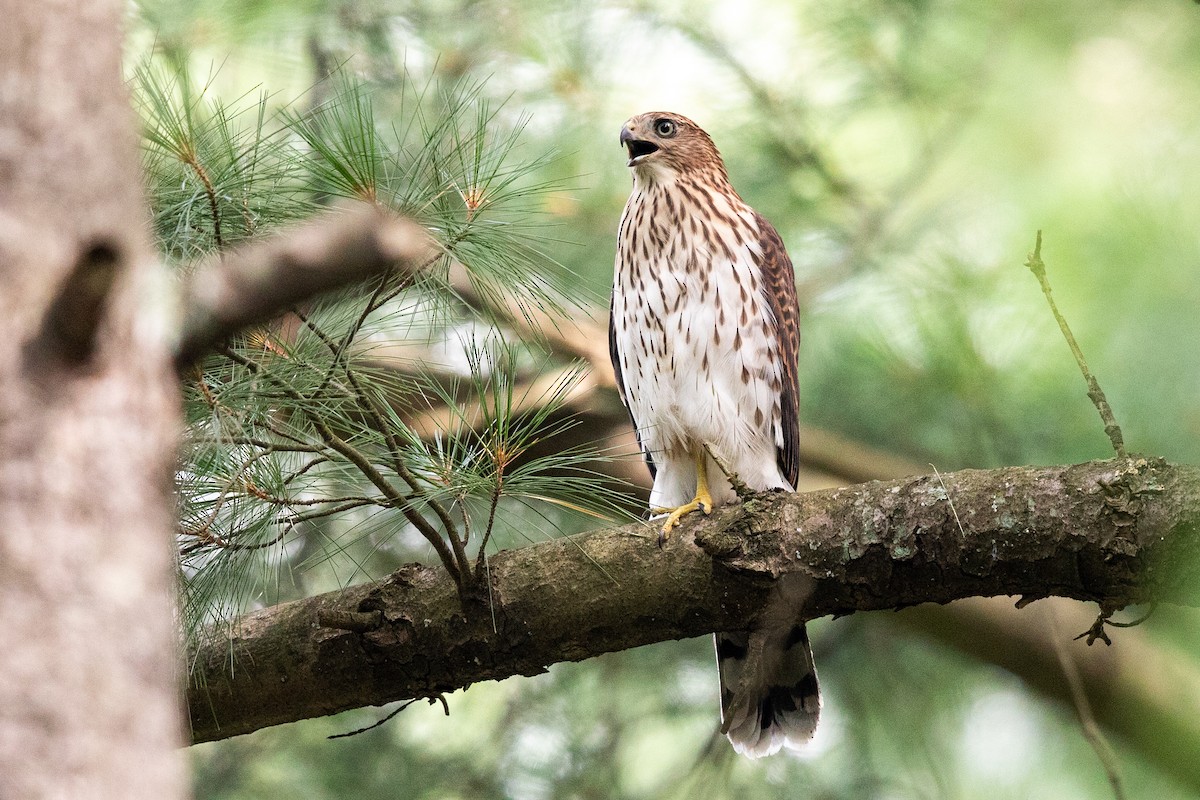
(694, 334)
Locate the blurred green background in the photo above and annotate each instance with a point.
(908, 152)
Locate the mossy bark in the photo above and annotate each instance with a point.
(1115, 532)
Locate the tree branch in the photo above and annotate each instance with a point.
(1115, 532)
(262, 280)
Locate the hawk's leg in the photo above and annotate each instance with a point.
(701, 502)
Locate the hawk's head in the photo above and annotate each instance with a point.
(666, 144)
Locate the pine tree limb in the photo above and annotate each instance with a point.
(255, 283)
(1115, 532)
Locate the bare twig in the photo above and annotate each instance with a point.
(1038, 268)
(377, 724)
(316, 462)
(436, 698)
(1091, 730)
(346, 505)
(267, 497)
(262, 444)
(739, 487)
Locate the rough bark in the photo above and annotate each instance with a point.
(1115, 532)
(88, 420)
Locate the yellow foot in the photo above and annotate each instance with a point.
(701, 502)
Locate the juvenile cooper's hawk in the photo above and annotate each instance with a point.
(704, 332)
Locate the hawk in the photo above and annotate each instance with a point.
(703, 333)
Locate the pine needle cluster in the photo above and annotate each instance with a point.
(397, 417)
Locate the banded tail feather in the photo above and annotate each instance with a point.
(769, 693)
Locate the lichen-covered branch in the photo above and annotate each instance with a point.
(1116, 532)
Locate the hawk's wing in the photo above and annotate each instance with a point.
(779, 287)
(615, 355)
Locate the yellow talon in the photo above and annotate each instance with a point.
(701, 502)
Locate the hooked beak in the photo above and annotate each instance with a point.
(638, 149)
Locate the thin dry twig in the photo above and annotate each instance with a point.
(739, 487)
(1091, 730)
(404, 705)
(1038, 268)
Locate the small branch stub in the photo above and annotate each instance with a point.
(345, 620)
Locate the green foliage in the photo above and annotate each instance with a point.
(215, 171)
(302, 451)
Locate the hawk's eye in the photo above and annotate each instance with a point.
(664, 128)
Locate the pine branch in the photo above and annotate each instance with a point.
(455, 562)
(1115, 532)
(262, 280)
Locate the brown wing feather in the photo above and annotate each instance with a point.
(615, 355)
(779, 287)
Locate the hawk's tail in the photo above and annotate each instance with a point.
(769, 694)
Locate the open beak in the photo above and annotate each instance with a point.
(638, 149)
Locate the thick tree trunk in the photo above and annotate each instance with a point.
(88, 669)
(1115, 532)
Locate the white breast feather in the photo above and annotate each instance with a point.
(676, 401)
